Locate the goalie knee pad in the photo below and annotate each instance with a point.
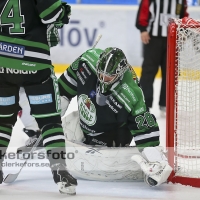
(71, 127)
(154, 164)
(64, 105)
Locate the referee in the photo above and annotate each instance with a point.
(152, 20)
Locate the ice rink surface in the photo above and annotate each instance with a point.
(37, 183)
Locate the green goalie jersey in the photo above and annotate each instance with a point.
(124, 105)
(23, 32)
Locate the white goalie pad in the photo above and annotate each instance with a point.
(102, 163)
(64, 105)
(71, 127)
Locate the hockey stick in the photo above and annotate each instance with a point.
(97, 40)
(12, 177)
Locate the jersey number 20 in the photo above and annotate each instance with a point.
(11, 15)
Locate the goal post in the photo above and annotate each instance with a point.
(183, 101)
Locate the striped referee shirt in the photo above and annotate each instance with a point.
(153, 15)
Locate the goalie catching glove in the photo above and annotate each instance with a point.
(154, 164)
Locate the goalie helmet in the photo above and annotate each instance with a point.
(111, 66)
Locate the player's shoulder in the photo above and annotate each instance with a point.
(91, 57)
(130, 88)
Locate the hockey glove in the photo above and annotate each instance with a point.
(64, 17)
(52, 35)
(154, 165)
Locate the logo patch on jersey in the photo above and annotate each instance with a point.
(83, 73)
(115, 102)
(92, 150)
(15, 71)
(74, 65)
(124, 97)
(111, 107)
(86, 68)
(140, 110)
(126, 87)
(87, 110)
(40, 99)
(13, 50)
(80, 78)
(92, 94)
(86, 128)
(91, 59)
(7, 101)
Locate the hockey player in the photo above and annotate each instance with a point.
(111, 112)
(28, 30)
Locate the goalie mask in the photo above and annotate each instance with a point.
(111, 66)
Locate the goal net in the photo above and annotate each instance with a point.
(183, 101)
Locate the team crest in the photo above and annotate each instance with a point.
(74, 65)
(87, 110)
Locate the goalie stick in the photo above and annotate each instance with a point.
(97, 40)
(10, 178)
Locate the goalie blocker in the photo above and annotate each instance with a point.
(109, 163)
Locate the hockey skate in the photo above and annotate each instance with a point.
(65, 181)
(33, 136)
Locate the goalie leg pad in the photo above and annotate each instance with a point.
(64, 105)
(154, 165)
(71, 127)
(103, 163)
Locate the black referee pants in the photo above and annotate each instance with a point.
(155, 54)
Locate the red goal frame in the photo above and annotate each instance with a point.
(171, 99)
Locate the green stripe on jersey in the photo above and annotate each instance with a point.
(22, 64)
(5, 143)
(67, 88)
(149, 144)
(55, 145)
(51, 131)
(9, 130)
(72, 73)
(46, 115)
(50, 9)
(24, 42)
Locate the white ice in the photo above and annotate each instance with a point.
(37, 183)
